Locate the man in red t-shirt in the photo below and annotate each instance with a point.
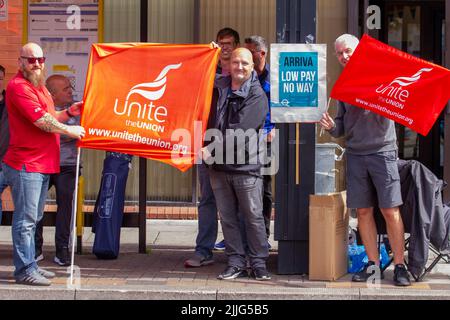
(32, 155)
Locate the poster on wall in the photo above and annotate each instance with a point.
(65, 29)
(298, 90)
(3, 10)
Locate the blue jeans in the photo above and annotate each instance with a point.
(3, 185)
(207, 215)
(29, 191)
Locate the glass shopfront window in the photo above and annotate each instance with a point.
(417, 27)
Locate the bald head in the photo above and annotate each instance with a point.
(60, 89)
(31, 49)
(52, 81)
(32, 69)
(243, 53)
(241, 67)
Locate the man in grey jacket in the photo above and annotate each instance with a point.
(235, 173)
(62, 94)
(372, 173)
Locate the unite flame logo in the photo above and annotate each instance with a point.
(406, 81)
(151, 91)
(144, 89)
(394, 93)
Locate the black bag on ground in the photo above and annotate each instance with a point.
(108, 211)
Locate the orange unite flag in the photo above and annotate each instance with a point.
(149, 100)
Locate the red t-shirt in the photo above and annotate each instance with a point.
(28, 145)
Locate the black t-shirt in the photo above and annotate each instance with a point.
(4, 127)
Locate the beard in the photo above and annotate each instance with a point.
(37, 80)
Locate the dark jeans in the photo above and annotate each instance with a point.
(64, 183)
(267, 202)
(207, 215)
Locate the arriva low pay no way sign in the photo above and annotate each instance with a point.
(298, 82)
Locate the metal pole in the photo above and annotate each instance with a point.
(143, 161)
(74, 218)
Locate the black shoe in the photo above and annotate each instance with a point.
(38, 256)
(261, 274)
(364, 275)
(232, 273)
(62, 257)
(401, 276)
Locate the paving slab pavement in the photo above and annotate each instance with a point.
(160, 274)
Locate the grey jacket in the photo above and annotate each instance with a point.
(244, 109)
(423, 213)
(365, 132)
(424, 216)
(68, 152)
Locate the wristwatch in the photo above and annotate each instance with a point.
(68, 113)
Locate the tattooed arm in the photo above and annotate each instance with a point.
(49, 124)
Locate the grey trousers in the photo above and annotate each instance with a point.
(239, 196)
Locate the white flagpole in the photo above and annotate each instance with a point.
(328, 107)
(74, 216)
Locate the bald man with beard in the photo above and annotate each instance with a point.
(237, 181)
(32, 156)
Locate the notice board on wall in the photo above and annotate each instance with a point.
(65, 29)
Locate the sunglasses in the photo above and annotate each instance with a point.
(32, 60)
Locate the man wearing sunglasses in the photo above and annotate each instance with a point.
(32, 156)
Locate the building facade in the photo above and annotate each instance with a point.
(416, 27)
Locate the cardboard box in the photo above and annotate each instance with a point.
(328, 236)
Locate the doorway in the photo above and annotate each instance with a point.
(418, 28)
